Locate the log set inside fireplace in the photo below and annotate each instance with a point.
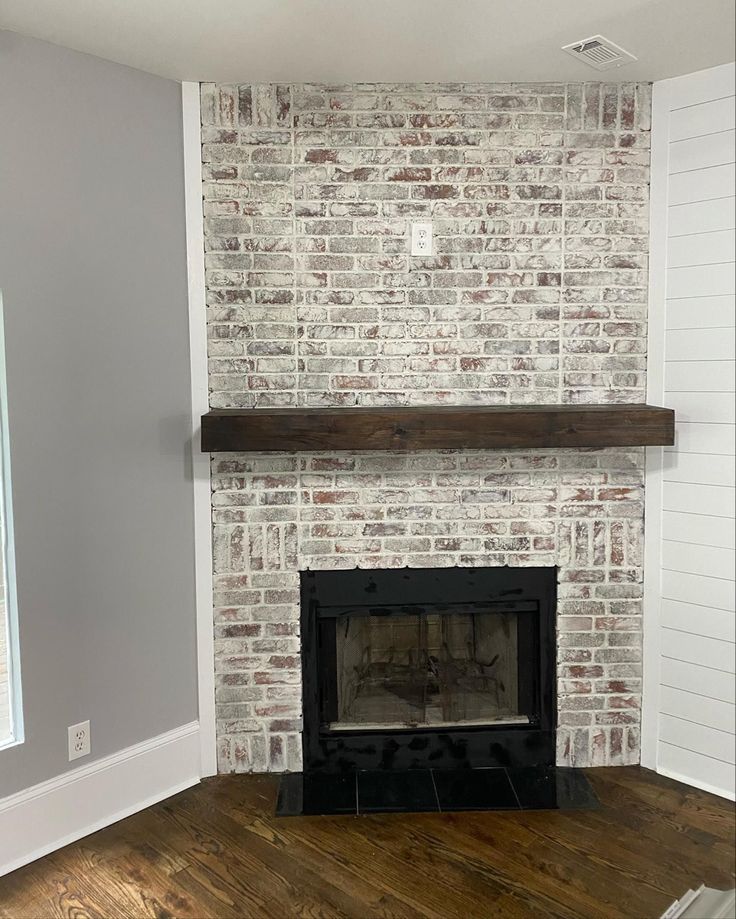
(421, 668)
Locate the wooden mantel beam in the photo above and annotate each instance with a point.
(436, 427)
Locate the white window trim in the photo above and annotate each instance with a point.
(17, 735)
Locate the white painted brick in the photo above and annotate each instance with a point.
(536, 293)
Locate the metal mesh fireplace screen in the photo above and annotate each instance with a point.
(427, 669)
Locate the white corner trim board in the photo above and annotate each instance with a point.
(655, 455)
(53, 814)
(200, 405)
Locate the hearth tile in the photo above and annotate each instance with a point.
(316, 793)
(552, 787)
(291, 795)
(383, 792)
(474, 789)
(329, 794)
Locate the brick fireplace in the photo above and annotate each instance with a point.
(536, 294)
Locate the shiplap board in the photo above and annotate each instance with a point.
(691, 735)
(706, 118)
(698, 649)
(702, 248)
(702, 184)
(699, 529)
(699, 589)
(711, 712)
(699, 345)
(701, 216)
(690, 587)
(698, 152)
(700, 469)
(713, 500)
(711, 561)
(705, 681)
(700, 376)
(704, 438)
(698, 88)
(704, 771)
(692, 437)
(700, 312)
(710, 408)
(701, 280)
(703, 620)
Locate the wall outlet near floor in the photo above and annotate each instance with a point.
(421, 238)
(79, 742)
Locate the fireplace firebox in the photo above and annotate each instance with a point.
(428, 668)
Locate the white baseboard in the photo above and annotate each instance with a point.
(695, 783)
(55, 813)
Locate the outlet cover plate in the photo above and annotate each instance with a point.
(79, 740)
(421, 238)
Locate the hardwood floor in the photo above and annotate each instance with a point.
(217, 851)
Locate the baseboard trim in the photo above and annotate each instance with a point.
(694, 783)
(53, 814)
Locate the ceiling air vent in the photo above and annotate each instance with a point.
(599, 52)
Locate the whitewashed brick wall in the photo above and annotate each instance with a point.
(536, 293)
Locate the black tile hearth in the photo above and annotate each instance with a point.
(387, 792)
(316, 793)
(432, 791)
(290, 801)
(475, 789)
(548, 788)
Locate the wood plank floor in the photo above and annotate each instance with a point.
(217, 851)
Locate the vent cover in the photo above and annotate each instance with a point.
(598, 52)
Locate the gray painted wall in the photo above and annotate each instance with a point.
(93, 273)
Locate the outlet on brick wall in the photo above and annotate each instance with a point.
(421, 238)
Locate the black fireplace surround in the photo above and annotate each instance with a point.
(433, 668)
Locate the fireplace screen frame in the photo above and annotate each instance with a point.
(327, 596)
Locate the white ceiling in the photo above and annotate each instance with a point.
(382, 40)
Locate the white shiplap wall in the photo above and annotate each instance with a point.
(688, 726)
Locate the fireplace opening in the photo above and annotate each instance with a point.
(423, 667)
(428, 666)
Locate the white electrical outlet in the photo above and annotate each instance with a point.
(79, 742)
(421, 238)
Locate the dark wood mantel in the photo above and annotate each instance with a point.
(429, 427)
